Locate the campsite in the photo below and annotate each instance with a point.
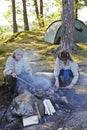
(38, 61)
(36, 103)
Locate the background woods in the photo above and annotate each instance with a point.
(25, 15)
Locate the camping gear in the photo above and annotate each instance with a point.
(53, 32)
(49, 108)
(41, 120)
(30, 120)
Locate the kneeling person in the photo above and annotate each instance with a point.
(65, 71)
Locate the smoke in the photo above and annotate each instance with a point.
(31, 56)
(40, 80)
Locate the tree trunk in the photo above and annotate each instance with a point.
(26, 26)
(41, 13)
(67, 38)
(37, 11)
(76, 9)
(15, 29)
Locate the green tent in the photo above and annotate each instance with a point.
(53, 32)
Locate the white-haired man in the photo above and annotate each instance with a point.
(17, 66)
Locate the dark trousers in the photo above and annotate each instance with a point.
(11, 83)
(65, 77)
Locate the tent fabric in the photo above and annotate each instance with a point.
(53, 32)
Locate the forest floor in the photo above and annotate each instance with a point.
(34, 40)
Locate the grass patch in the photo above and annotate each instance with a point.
(80, 55)
(2, 51)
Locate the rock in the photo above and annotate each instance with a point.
(82, 80)
(78, 121)
(48, 74)
(23, 105)
(45, 126)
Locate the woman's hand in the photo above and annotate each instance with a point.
(69, 86)
(57, 83)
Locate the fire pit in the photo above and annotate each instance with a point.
(62, 119)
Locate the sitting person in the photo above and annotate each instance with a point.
(65, 71)
(17, 66)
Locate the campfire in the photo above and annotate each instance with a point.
(27, 104)
(36, 105)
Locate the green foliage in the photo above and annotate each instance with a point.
(53, 15)
(8, 14)
(78, 4)
(52, 12)
(2, 51)
(49, 14)
(84, 2)
(3, 31)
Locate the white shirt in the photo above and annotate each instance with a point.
(71, 65)
(16, 66)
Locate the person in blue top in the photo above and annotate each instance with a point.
(66, 70)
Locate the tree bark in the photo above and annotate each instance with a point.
(41, 13)
(36, 9)
(15, 29)
(37, 12)
(76, 9)
(67, 39)
(26, 26)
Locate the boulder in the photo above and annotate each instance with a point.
(24, 105)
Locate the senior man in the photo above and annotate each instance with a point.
(15, 67)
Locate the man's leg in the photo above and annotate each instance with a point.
(11, 83)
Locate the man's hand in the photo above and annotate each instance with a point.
(57, 83)
(14, 74)
(69, 86)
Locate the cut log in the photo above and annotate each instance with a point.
(50, 110)
(30, 120)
